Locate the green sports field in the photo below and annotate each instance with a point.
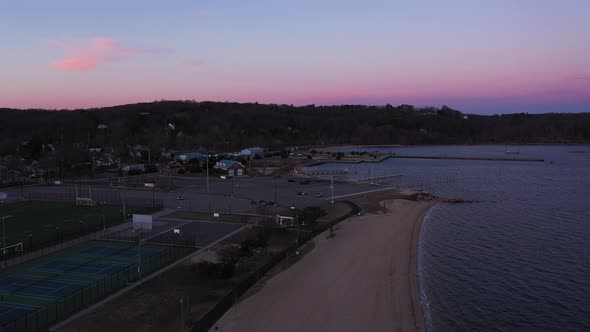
(38, 224)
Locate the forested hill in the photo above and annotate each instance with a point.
(231, 126)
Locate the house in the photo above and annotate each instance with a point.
(191, 156)
(133, 167)
(232, 167)
(252, 151)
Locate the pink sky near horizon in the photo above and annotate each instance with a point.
(478, 58)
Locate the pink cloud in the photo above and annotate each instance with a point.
(99, 52)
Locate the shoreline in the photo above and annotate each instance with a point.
(414, 282)
(365, 278)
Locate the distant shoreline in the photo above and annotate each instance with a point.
(385, 146)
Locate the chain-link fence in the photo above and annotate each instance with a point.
(207, 320)
(51, 311)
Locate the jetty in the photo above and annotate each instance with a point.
(372, 178)
(471, 158)
(376, 161)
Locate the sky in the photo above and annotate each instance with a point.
(486, 56)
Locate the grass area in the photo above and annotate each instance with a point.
(38, 224)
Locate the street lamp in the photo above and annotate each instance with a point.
(332, 187)
(4, 244)
(29, 233)
(181, 314)
(297, 227)
(275, 191)
(102, 204)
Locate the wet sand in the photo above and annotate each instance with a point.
(363, 279)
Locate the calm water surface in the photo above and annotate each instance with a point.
(519, 259)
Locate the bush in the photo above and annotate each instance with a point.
(151, 168)
(134, 171)
(311, 214)
(209, 269)
(194, 168)
(228, 258)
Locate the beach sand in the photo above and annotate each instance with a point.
(363, 279)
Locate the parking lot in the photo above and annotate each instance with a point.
(240, 194)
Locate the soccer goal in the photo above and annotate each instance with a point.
(88, 201)
(85, 201)
(285, 221)
(17, 247)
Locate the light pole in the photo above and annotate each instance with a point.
(104, 225)
(276, 191)
(207, 161)
(182, 314)
(4, 244)
(297, 227)
(139, 256)
(332, 187)
(29, 234)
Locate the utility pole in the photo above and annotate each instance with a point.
(276, 191)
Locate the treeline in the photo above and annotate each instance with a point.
(216, 126)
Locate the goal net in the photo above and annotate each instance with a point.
(285, 220)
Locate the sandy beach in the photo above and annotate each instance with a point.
(363, 279)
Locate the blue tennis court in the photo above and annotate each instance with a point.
(115, 251)
(10, 311)
(80, 267)
(39, 287)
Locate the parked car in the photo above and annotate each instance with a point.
(319, 195)
(253, 202)
(301, 193)
(305, 182)
(291, 180)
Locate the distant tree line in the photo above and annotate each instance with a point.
(216, 126)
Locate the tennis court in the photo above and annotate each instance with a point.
(11, 311)
(28, 285)
(38, 293)
(178, 232)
